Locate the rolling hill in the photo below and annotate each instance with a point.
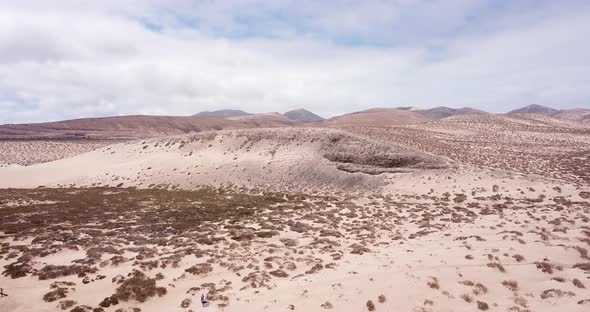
(302, 116)
(376, 117)
(535, 109)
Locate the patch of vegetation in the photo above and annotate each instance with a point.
(137, 286)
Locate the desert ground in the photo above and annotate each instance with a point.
(465, 213)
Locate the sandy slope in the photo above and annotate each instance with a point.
(270, 159)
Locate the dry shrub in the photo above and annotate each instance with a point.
(359, 249)
(66, 304)
(85, 308)
(315, 268)
(466, 297)
(482, 305)
(327, 305)
(82, 308)
(578, 283)
(545, 267)
(433, 283)
(466, 283)
(17, 269)
(55, 294)
(185, 303)
(109, 301)
(266, 234)
(381, 298)
(512, 285)
(521, 301)
(480, 289)
(200, 268)
(291, 266)
(558, 279)
(556, 293)
(137, 286)
(459, 198)
(279, 273)
(518, 258)
(469, 257)
(583, 266)
(370, 305)
(288, 242)
(54, 271)
(583, 252)
(498, 266)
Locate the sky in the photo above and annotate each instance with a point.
(65, 59)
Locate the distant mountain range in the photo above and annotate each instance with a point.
(125, 127)
(224, 113)
(296, 116)
(444, 112)
(575, 114)
(535, 109)
(302, 115)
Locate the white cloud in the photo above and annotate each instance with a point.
(68, 60)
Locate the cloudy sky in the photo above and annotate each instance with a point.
(65, 59)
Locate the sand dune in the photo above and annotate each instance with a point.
(273, 159)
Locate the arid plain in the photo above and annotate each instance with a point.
(381, 210)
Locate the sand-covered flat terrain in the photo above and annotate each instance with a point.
(28, 152)
(408, 218)
(157, 249)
